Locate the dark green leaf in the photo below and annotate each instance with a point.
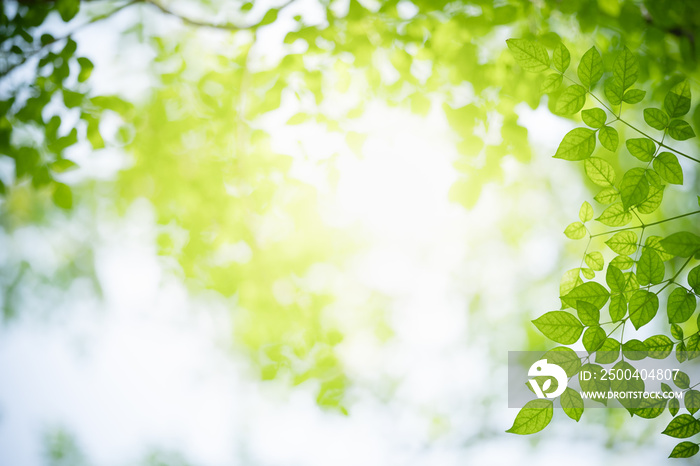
(694, 279)
(659, 346)
(691, 399)
(683, 426)
(684, 450)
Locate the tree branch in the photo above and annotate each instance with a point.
(201, 23)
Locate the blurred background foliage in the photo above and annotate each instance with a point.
(232, 216)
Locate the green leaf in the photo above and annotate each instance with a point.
(643, 307)
(642, 148)
(691, 399)
(615, 216)
(566, 358)
(681, 379)
(656, 118)
(62, 196)
(533, 417)
(607, 195)
(597, 383)
(615, 279)
(653, 200)
(684, 450)
(667, 166)
(67, 9)
(683, 426)
(575, 230)
(572, 404)
(595, 260)
(694, 279)
(650, 268)
(682, 244)
(593, 338)
(623, 242)
(587, 313)
(600, 172)
(594, 117)
(613, 91)
(631, 386)
(578, 144)
(531, 56)
(551, 83)
(622, 262)
(62, 165)
(677, 100)
(681, 354)
(86, 68)
(571, 100)
(625, 70)
(674, 406)
(585, 213)
(559, 326)
(561, 57)
(681, 305)
(654, 242)
(676, 332)
(570, 280)
(588, 273)
(609, 352)
(650, 408)
(693, 347)
(617, 308)
(634, 96)
(634, 187)
(634, 350)
(609, 138)
(590, 292)
(659, 346)
(590, 69)
(680, 130)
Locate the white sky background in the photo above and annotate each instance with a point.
(145, 368)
